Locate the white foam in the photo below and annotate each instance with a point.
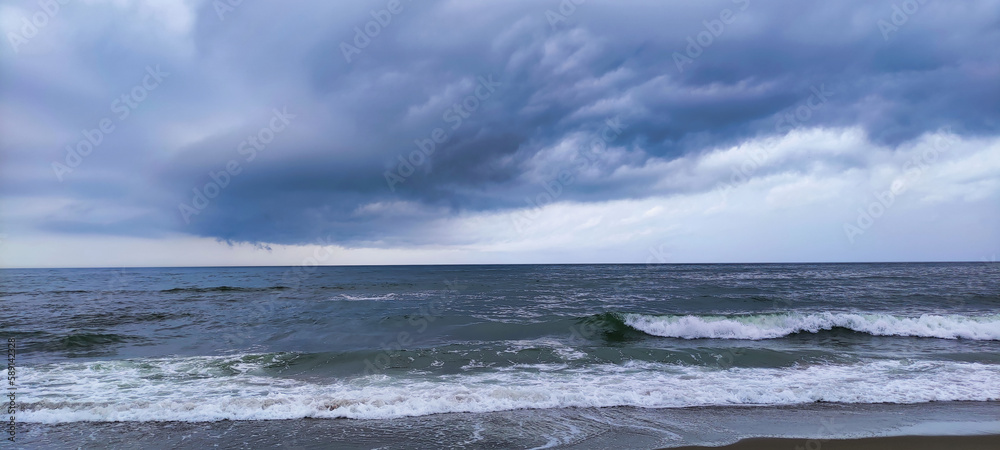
(563, 351)
(355, 298)
(768, 326)
(219, 388)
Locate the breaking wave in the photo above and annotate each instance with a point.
(770, 326)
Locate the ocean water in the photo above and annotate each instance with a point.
(516, 355)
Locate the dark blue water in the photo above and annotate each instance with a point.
(204, 345)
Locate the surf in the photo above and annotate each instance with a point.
(244, 387)
(772, 326)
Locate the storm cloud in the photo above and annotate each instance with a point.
(399, 124)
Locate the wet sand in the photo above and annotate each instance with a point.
(832, 425)
(989, 442)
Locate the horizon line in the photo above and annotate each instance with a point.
(507, 264)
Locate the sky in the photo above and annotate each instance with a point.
(200, 132)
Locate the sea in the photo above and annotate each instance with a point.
(500, 356)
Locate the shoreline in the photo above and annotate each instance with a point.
(971, 442)
(805, 427)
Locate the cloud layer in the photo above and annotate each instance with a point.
(742, 129)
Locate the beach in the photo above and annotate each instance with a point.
(814, 426)
(521, 356)
(884, 443)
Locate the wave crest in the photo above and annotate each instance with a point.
(770, 326)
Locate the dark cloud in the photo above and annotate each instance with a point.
(325, 173)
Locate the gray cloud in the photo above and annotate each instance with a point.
(558, 83)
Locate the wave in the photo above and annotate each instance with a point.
(48, 292)
(82, 341)
(770, 326)
(388, 296)
(226, 289)
(238, 387)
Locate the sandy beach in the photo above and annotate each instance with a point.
(989, 442)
